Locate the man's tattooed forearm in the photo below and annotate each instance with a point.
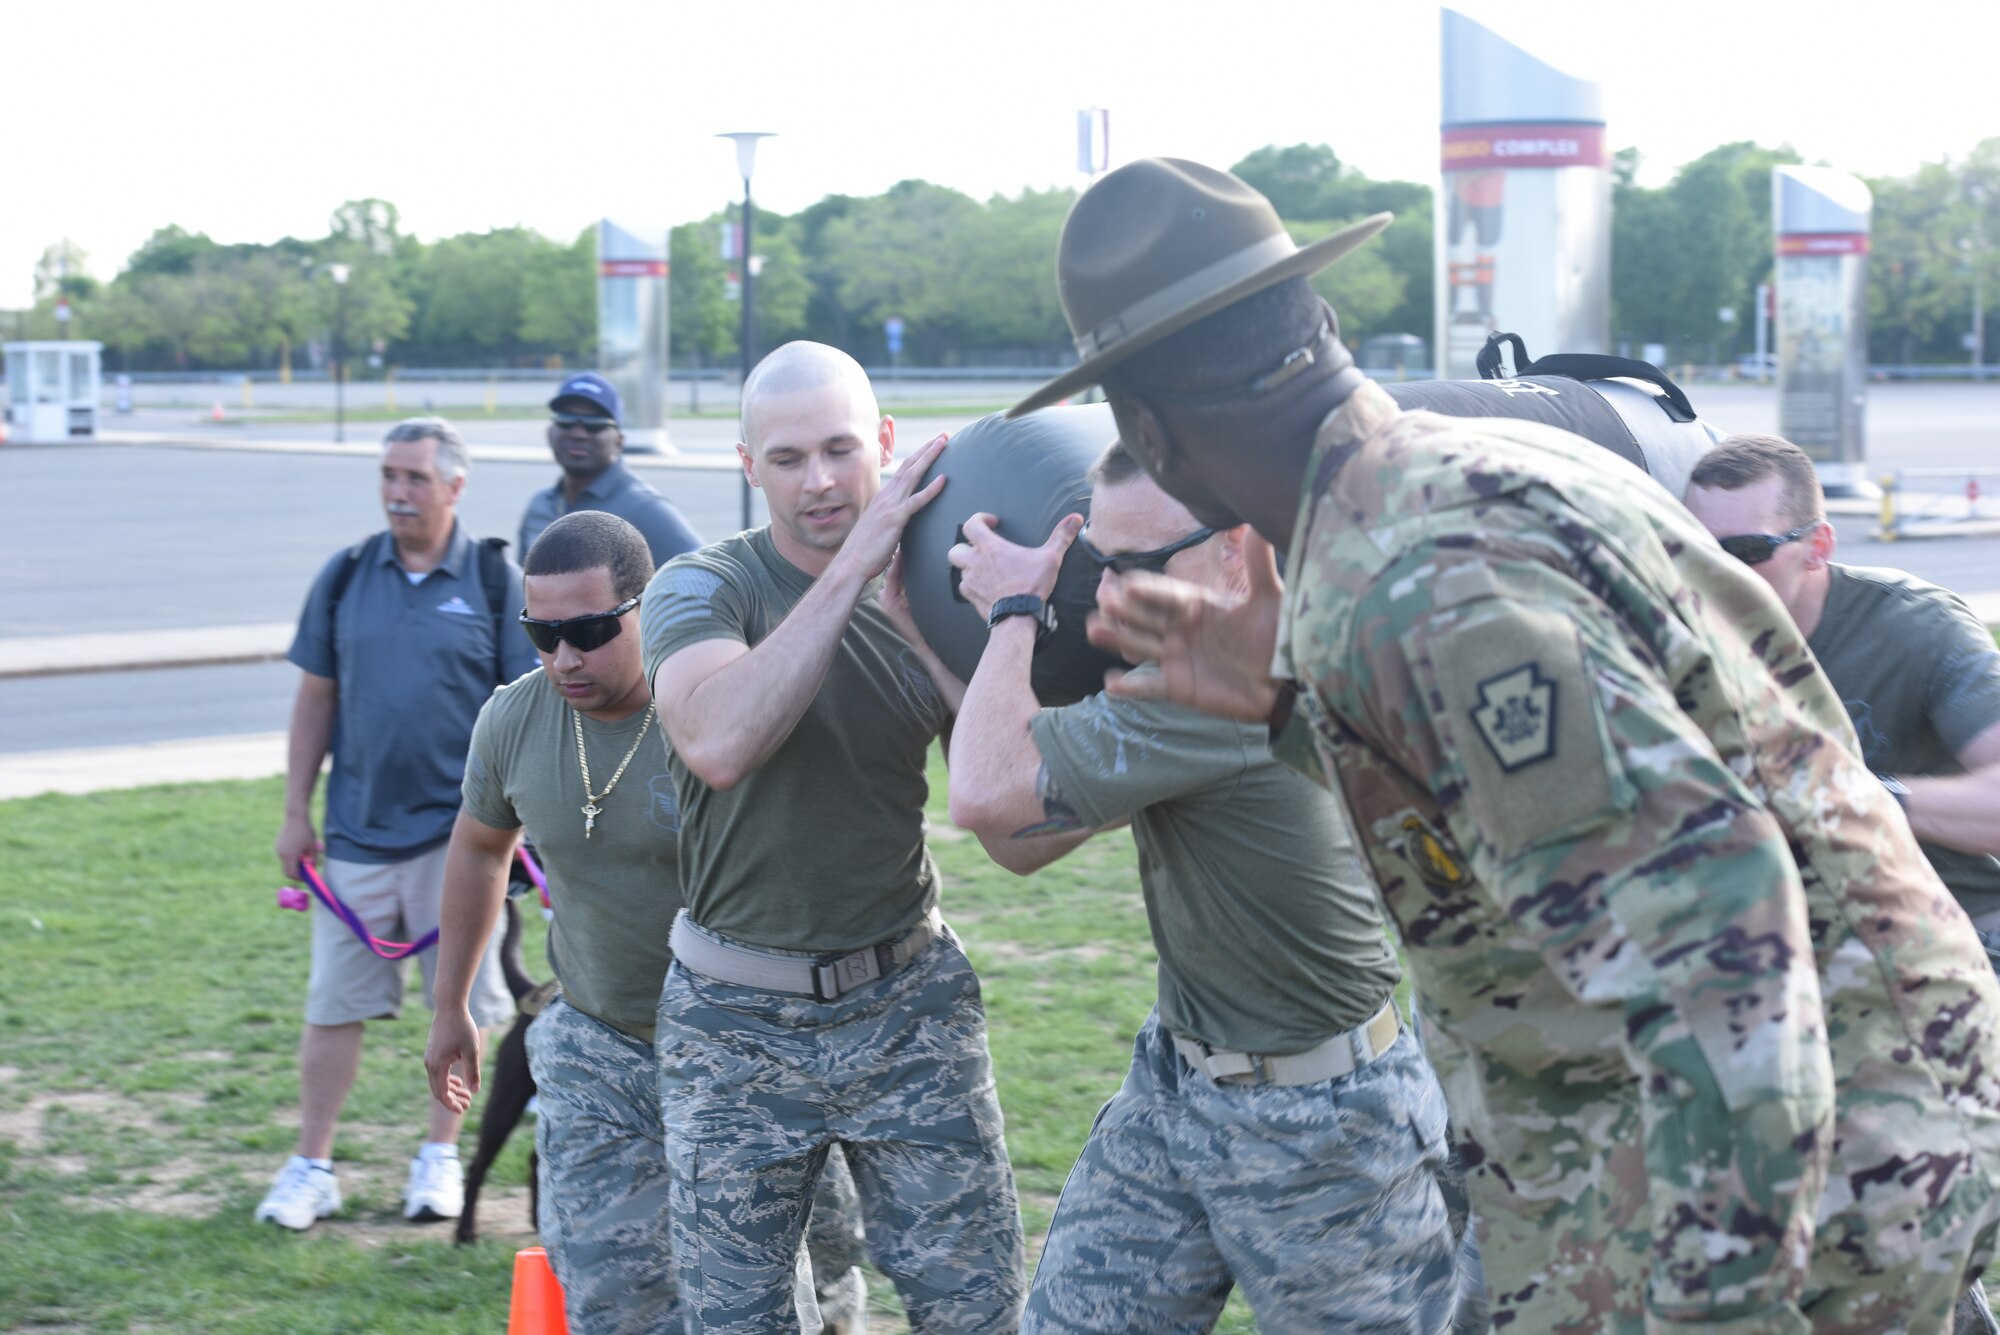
(1058, 816)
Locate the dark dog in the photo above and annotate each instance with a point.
(508, 1083)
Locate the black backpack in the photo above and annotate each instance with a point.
(1629, 407)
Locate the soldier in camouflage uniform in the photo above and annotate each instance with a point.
(614, 888)
(1277, 1131)
(816, 998)
(1720, 1048)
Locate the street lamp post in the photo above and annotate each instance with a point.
(339, 272)
(746, 162)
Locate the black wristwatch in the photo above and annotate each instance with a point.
(1025, 605)
(1897, 789)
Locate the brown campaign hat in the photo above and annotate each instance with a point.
(1157, 245)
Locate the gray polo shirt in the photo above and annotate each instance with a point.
(616, 491)
(413, 663)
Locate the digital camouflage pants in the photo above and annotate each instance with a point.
(1322, 1201)
(757, 1086)
(604, 1194)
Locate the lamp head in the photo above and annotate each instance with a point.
(746, 149)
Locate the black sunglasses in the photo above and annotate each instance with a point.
(584, 633)
(1122, 563)
(590, 424)
(1754, 549)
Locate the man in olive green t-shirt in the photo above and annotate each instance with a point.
(1276, 1130)
(1918, 673)
(614, 890)
(815, 997)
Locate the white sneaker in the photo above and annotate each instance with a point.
(301, 1195)
(436, 1189)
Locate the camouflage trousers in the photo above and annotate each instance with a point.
(603, 1180)
(756, 1087)
(1556, 1172)
(1323, 1201)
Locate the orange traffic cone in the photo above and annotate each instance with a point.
(537, 1305)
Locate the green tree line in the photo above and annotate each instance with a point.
(972, 280)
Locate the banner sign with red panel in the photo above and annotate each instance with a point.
(1503, 147)
(1824, 243)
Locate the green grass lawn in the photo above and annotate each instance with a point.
(149, 1012)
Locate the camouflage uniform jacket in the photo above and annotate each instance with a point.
(1622, 823)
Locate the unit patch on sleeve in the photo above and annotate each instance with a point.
(1516, 715)
(1516, 721)
(1439, 864)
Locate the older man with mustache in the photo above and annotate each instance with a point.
(403, 637)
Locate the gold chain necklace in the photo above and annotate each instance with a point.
(591, 811)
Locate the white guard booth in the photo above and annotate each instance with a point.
(52, 391)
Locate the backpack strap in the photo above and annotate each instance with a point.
(1585, 366)
(493, 580)
(342, 577)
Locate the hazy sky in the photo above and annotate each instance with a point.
(253, 121)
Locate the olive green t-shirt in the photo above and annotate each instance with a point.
(1268, 928)
(615, 893)
(821, 848)
(1920, 677)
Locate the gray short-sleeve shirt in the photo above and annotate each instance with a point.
(1268, 927)
(1920, 677)
(616, 491)
(412, 664)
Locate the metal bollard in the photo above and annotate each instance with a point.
(1886, 531)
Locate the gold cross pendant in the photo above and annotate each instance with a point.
(591, 811)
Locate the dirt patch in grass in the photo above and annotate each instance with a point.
(503, 1220)
(27, 1125)
(1012, 952)
(183, 1188)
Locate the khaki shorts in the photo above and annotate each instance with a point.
(399, 902)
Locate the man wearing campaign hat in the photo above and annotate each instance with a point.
(1719, 1047)
(585, 438)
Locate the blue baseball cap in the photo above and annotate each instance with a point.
(593, 388)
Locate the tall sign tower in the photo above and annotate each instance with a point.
(1524, 212)
(632, 329)
(1820, 217)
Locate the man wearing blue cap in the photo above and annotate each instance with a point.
(585, 438)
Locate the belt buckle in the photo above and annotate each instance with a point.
(1258, 1074)
(845, 973)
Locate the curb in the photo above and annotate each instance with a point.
(710, 462)
(124, 651)
(91, 769)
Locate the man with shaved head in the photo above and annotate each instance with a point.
(816, 998)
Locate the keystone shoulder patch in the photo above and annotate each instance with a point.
(1516, 715)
